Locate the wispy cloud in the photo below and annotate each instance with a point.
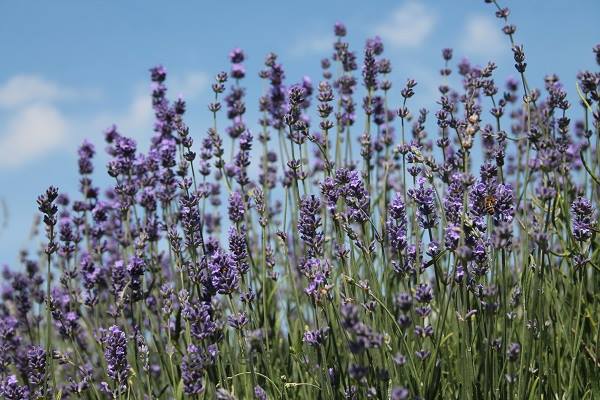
(34, 124)
(482, 37)
(24, 89)
(317, 44)
(33, 131)
(190, 85)
(138, 115)
(136, 119)
(408, 26)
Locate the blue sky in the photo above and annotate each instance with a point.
(71, 68)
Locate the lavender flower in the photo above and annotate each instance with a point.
(583, 216)
(424, 293)
(351, 188)
(11, 390)
(49, 209)
(309, 223)
(225, 276)
(317, 273)
(339, 29)
(36, 366)
(239, 249)
(238, 321)
(115, 354)
(136, 269)
(191, 220)
(259, 393)
(370, 69)
(316, 337)
(424, 197)
(118, 278)
(399, 393)
(396, 224)
(192, 371)
(236, 207)
(513, 352)
(201, 319)
(9, 341)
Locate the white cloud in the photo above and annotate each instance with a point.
(32, 132)
(136, 120)
(189, 85)
(25, 89)
(482, 37)
(408, 26)
(312, 45)
(32, 125)
(138, 115)
(35, 126)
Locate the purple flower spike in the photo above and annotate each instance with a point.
(309, 224)
(115, 354)
(396, 224)
(225, 276)
(583, 216)
(424, 197)
(236, 207)
(192, 371)
(11, 390)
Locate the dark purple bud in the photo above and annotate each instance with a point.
(339, 29)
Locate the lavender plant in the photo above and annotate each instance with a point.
(442, 253)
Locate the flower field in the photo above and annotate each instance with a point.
(340, 247)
